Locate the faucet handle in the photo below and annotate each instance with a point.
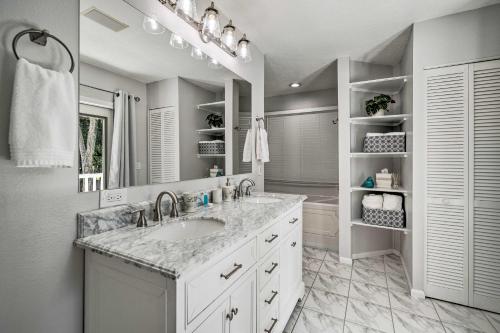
(141, 221)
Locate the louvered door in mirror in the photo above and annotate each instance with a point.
(446, 248)
(484, 218)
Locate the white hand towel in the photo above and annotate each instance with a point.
(392, 202)
(262, 146)
(43, 117)
(373, 201)
(247, 149)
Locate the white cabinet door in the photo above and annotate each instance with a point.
(291, 268)
(217, 322)
(243, 307)
(484, 216)
(446, 243)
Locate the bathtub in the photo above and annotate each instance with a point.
(320, 220)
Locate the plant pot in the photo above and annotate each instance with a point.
(379, 113)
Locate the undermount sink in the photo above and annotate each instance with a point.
(262, 200)
(186, 229)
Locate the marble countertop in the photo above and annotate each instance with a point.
(174, 258)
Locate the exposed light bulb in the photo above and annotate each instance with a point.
(177, 42)
(211, 25)
(229, 36)
(243, 52)
(151, 26)
(186, 7)
(197, 53)
(213, 63)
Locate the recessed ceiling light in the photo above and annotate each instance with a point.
(295, 84)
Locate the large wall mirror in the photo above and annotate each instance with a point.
(153, 109)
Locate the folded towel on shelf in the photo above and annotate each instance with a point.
(262, 146)
(392, 202)
(373, 201)
(247, 149)
(43, 117)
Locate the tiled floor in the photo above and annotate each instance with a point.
(372, 296)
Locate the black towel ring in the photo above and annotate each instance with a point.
(40, 37)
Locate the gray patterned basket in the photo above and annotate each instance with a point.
(211, 147)
(386, 218)
(385, 143)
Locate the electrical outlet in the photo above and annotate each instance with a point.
(113, 197)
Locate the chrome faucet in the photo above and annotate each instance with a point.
(248, 189)
(158, 216)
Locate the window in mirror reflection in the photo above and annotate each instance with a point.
(91, 153)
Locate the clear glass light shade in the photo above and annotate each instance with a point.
(211, 25)
(213, 63)
(186, 7)
(177, 42)
(243, 52)
(229, 37)
(151, 26)
(197, 53)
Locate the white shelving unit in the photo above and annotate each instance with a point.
(211, 155)
(359, 222)
(216, 107)
(390, 120)
(383, 190)
(388, 86)
(212, 131)
(381, 155)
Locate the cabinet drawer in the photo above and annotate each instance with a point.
(268, 239)
(269, 268)
(269, 322)
(269, 296)
(203, 289)
(293, 219)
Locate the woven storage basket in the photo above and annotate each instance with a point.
(385, 143)
(386, 218)
(211, 147)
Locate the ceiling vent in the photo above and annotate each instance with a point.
(104, 19)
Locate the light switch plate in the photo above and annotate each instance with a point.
(113, 197)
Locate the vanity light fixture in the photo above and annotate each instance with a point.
(229, 36)
(213, 63)
(243, 51)
(186, 7)
(177, 42)
(197, 53)
(151, 26)
(295, 85)
(210, 26)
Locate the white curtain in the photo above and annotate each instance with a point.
(122, 170)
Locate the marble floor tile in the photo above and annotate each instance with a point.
(336, 268)
(311, 263)
(463, 316)
(355, 328)
(313, 252)
(332, 256)
(308, 277)
(368, 275)
(331, 284)
(494, 319)
(374, 263)
(293, 319)
(411, 323)
(452, 328)
(393, 258)
(392, 267)
(314, 322)
(404, 302)
(369, 292)
(397, 282)
(369, 315)
(326, 302)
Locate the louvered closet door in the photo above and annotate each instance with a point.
(485, 183)
(163, 145)
(446, 248)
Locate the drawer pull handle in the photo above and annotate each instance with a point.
(269, 271)
(269, 301)
(270, 329)
(233, 313)
(228, 275)
(270, 240)
(293, 244)
(295, 219)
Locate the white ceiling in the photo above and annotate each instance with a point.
(136, 54)
(301, 39)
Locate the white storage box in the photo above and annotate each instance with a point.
(385, 143)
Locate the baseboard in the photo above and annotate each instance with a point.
(417, 293)
(346, 261)
(372, 254)
(407, 275)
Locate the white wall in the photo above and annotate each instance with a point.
(455, 38)
(103, 79)
(41, 279)
(301, 100)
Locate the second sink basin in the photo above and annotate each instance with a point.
(262, 200)
(186, 229)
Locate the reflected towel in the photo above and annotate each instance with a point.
(43, 117)
(247, 150)
(262, 146)
(373, 201)
(392, 202)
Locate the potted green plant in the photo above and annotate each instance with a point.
(214, 120)
(378, 105)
